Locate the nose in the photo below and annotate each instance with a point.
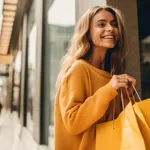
(109, 27)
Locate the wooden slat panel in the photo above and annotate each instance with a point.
(6, 60)
(2, 44)
(3, 52)
(9, 13)
(4, 41)
(8, 19)
(10, 7)
(5, 38)
(11, 1)
(3, 47)
(7, 29)
(6, 33)
(8, 24)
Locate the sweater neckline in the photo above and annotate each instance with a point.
(102, 72)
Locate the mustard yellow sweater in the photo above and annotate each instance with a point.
(82, 100)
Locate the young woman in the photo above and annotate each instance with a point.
(88, 82)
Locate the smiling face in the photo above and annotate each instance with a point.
(103, 30)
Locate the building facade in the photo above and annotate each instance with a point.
(41, 32)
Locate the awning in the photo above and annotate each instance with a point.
(7, 16)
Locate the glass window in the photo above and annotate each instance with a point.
(144, 37)
(16, 86)
(60, 26)
(145, 66)
(4, 85)
(31, 66)
(3, 90)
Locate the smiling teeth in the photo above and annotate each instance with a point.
(108, 37)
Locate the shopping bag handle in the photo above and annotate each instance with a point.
(129, 97)
(136, 92)
(114, 105)
(122, 101)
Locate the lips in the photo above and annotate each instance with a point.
(111, 37)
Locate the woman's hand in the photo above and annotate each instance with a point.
(123, 81)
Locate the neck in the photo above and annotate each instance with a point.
(97, 57)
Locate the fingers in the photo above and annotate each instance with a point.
(131, 80)
(119, 81)
(122, 81)
(127, 79)
(122, 85)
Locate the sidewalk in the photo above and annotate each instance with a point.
(13, 136)
(8, 130)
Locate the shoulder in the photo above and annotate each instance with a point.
(76, 76)
(78, 71)
(78, 67)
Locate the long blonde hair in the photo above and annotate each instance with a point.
(80, 44)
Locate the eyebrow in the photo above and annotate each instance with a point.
(114, 20)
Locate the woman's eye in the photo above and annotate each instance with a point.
(115, 25)
(101, 24)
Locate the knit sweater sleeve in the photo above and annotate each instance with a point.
(78, 111)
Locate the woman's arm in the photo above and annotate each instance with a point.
(78, 111)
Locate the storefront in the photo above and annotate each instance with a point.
(41, 33)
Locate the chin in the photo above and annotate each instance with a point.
(110, 46)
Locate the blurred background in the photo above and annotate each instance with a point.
(34, 35)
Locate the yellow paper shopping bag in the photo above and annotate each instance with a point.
(142, 111)
(125, 135)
